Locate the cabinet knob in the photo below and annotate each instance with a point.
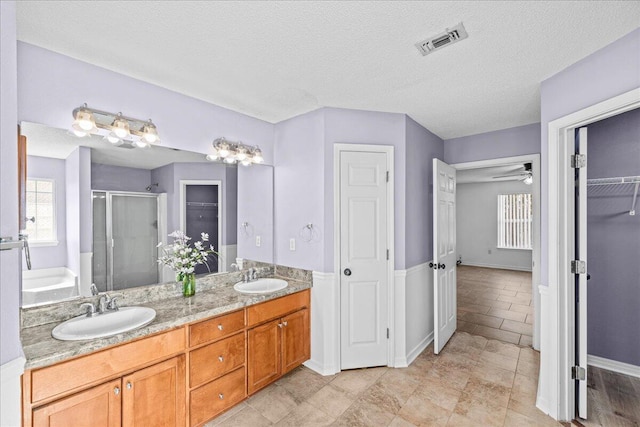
(221, 396)
(221, 358)
(116, 390)
(285, 323)
(279, 325)
(220, 327)
(129, 385)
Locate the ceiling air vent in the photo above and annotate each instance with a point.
(446, 38)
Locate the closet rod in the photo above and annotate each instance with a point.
(201, 204)
(614, 181)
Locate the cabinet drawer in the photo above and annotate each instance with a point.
(213, 398)
(276, 308)
(216, 359)
(215, 328)
(86, 370)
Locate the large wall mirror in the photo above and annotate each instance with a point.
(95, 213)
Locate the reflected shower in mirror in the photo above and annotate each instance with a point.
(99, 212)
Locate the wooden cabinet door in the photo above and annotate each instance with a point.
(155, 396)
(295, 340)
(263, 355)
(96, 407)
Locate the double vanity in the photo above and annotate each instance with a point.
(198, 357)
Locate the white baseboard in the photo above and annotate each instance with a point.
(321, 369)
(499, 267)
(614, 366)
(419, 348)
(10, 392)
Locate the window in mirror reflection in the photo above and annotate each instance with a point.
(40, 212)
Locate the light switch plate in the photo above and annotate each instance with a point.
(292, 244)
(258, 241)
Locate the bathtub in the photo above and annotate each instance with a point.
(48, 285)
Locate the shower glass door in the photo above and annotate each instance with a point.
(125, 232)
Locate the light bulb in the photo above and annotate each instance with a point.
(120, 126)
(114, 139)
(241, 154)
(230, 159)
(141, 144)
(84, 120)
(246, 162)
(79, 133)
(212, 157)
(149, 132)
(528, 180)
(257, 156)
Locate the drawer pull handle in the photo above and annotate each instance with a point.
(116, 391)
(285, 323)
(280, 325)
(220, 327)
(220, 358)
(129, 385)
(221, 396)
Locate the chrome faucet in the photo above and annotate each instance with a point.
(91, 309)
(108, 303)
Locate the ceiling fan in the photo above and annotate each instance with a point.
(525, 176)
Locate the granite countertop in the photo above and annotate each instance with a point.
(41, 349)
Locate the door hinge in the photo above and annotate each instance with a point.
(578, 267)
(387, 333)
(578, 373)
(578, 161)
(387, 254)
(387, 176)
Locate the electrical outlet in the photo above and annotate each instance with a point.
(292, 244)
(258, 241)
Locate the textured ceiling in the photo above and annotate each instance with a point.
(275, 60)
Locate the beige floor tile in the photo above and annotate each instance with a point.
(364, 414)
(492, 374)
(498, 360)
(488, 392)
(474, 308)
(530, 369)
(331, 400)
(355, 381)
(303, 382)
(482, 319)
(529, 319)
(516, 419)
(457, 420)
(452, 375)
(480, 411)
(529, 355)
(504, 349)
(306, 415)
(421, 412)
(439, 392)
(527, 407)
(228, 414)
(498, 334)
(517, 327)
(248, 417)
(398, 421)
(526, 341)
(273, 403)
(523, 300)
(524, 386)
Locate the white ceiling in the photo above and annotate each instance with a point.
(274, 60)
(45, 141)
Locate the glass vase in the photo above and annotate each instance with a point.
(188, 284)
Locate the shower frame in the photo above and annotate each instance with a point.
(161, 217)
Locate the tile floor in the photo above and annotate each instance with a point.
(614, 399)
(495, 303)
(474, 381)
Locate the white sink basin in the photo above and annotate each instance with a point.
(260, 286)
(104, 325)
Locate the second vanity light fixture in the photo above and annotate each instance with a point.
(235, 152)
(116, 128)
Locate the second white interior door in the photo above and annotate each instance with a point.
(363, 259)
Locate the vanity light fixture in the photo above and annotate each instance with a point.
(235, 152)
(116, 128)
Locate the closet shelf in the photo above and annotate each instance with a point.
(618, 181)
(202, 204)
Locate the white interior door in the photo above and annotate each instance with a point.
(363, 259)
(581, 278)
(444, 254)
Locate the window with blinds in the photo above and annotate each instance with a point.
(515, 221)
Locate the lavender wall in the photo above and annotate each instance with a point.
(364, 127)
(51, 85)
(256, 209)
(119, 178)
(509, 142)
(422, 147)
(613, 241)
(299, 181)
(9, 260)
(609, 72)
(48, 168)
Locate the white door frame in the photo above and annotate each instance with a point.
(534, 159)
(183, 208)
(556, 394)
(388, 150)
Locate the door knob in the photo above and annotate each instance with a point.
(347, 272)
(442, 266)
